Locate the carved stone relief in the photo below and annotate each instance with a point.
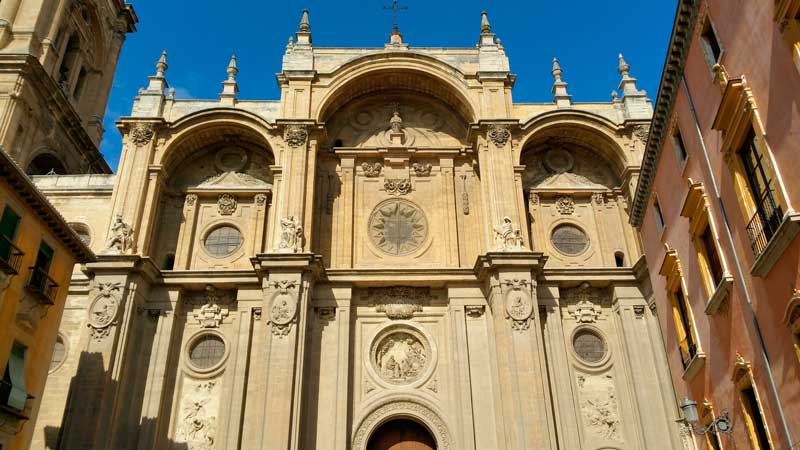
(599, 406)
(104, 309)
(291, 238)
(565, 205)
(519, 305)
(499, 135)
(400, 358)
(211, 314)
(507, 237)
(261, 199)
(422, 169)
(226, 203)
(283, 311)
(397, 186)
(371, 169)
(407, 408)
(142, 133)
(197, 426)
(563, 165)
(295, 135)
(399, 302)
(584, 303)
(465, 196)
(397, 227)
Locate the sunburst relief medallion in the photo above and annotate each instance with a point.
(398, 227)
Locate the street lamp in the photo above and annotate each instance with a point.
(720, 424)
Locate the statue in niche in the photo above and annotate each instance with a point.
(121, 239)
(507, 237)
(396, 122)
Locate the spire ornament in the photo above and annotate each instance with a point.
(232, 69)
(161, 65)
(560, 95)
(486, 27)
(305, 25)
(624, 68)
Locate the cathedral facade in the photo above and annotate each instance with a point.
(392, 252)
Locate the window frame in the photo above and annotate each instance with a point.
(791, 318)
(658, 215)
(744, 380)
(707, 25)
(679, 147)
(787, 16)
(683, 318)
(707, 418)
(15, 369)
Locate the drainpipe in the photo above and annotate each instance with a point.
(740, 272)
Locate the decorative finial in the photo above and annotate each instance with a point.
(624, 68)
(614, 95)
(557, 72)
(232, 69)
(486, 27)
(305, 26)
(161, 65)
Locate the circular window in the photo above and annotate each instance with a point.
(398, 227)
(207, 351)
(570, 240)
(83, 232)
(589, 346)
(59, 353)
(222, 241)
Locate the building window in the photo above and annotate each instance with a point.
(757, 428)
(659, 216)
(223, 241)
(619, 259)
(711, 436)
(589, 346)
(680, 148)
(12, 389)
(708, 247)
(207, 351)
(10, 255)
(768, 213)
(570, 240)
(710, 42)
(683, 326)
(169, 262)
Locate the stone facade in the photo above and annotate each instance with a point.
(394, 238)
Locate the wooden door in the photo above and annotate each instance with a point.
(401, 435)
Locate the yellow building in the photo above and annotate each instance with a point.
(38, 250)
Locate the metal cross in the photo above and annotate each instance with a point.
(395, 9)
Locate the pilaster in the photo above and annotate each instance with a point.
(287, 282)
(509, 283)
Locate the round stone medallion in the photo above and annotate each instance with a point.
(401, 356)
(230, 159)
(559, 160)
(398, 227)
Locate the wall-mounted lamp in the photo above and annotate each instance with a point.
(720, 424)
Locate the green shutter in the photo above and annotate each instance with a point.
(8, 228)
(16, 369)
(44, 257)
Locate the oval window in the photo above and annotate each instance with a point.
(223, 241)
(207, 351)
(570, 240)
(589, 346)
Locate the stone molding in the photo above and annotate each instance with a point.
(399, 408)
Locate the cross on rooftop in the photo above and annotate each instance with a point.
(396, 8)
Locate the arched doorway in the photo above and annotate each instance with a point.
(401, 434)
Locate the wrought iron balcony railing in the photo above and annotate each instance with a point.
(764, 223)
(42, 286)
(10, 256)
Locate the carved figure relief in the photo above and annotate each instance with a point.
(103, 309)
(261, 199)
(291, 238)
(397, 186)
(211, 314)
(197, 427)
(371, 169)
(142, 133)
(599, 407)
(191, 199)
(399, 302)
(565, 205)
(400, 358)
(499, 135)
(226, 203)
(284, 307)
(120, 240)
(422, 169)
(295, 135)
(519, 305)
(507, 237)
(397, 227)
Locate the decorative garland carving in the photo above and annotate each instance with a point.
(142, 133)
(397, 186)
(227, 204)
(428, 417)
(104, 309)
(565, 205)
(371, 170)
(499, 135)
(399, 302)
(295, 135)
(519, 305)
(640, 132)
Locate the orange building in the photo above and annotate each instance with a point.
(38, 251)
(715, 206)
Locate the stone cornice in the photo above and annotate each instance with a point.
(680, 40)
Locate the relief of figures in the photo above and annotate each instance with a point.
(400, 358)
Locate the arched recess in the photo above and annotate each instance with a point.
(217, 173)
(46, 163)
(412, 409)
(407, 72)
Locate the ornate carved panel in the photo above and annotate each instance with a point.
(398, 227)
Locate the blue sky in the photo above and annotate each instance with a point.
(200, 36)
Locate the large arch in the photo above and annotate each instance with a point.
(202, 128)
(408, 71)
(578, 127)
(402, 408)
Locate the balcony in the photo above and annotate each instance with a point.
(764, 223)
(42, 286)
(10, 256)
(8, 413)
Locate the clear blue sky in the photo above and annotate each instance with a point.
(200, 36)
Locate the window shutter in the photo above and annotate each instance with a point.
(16, 369)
